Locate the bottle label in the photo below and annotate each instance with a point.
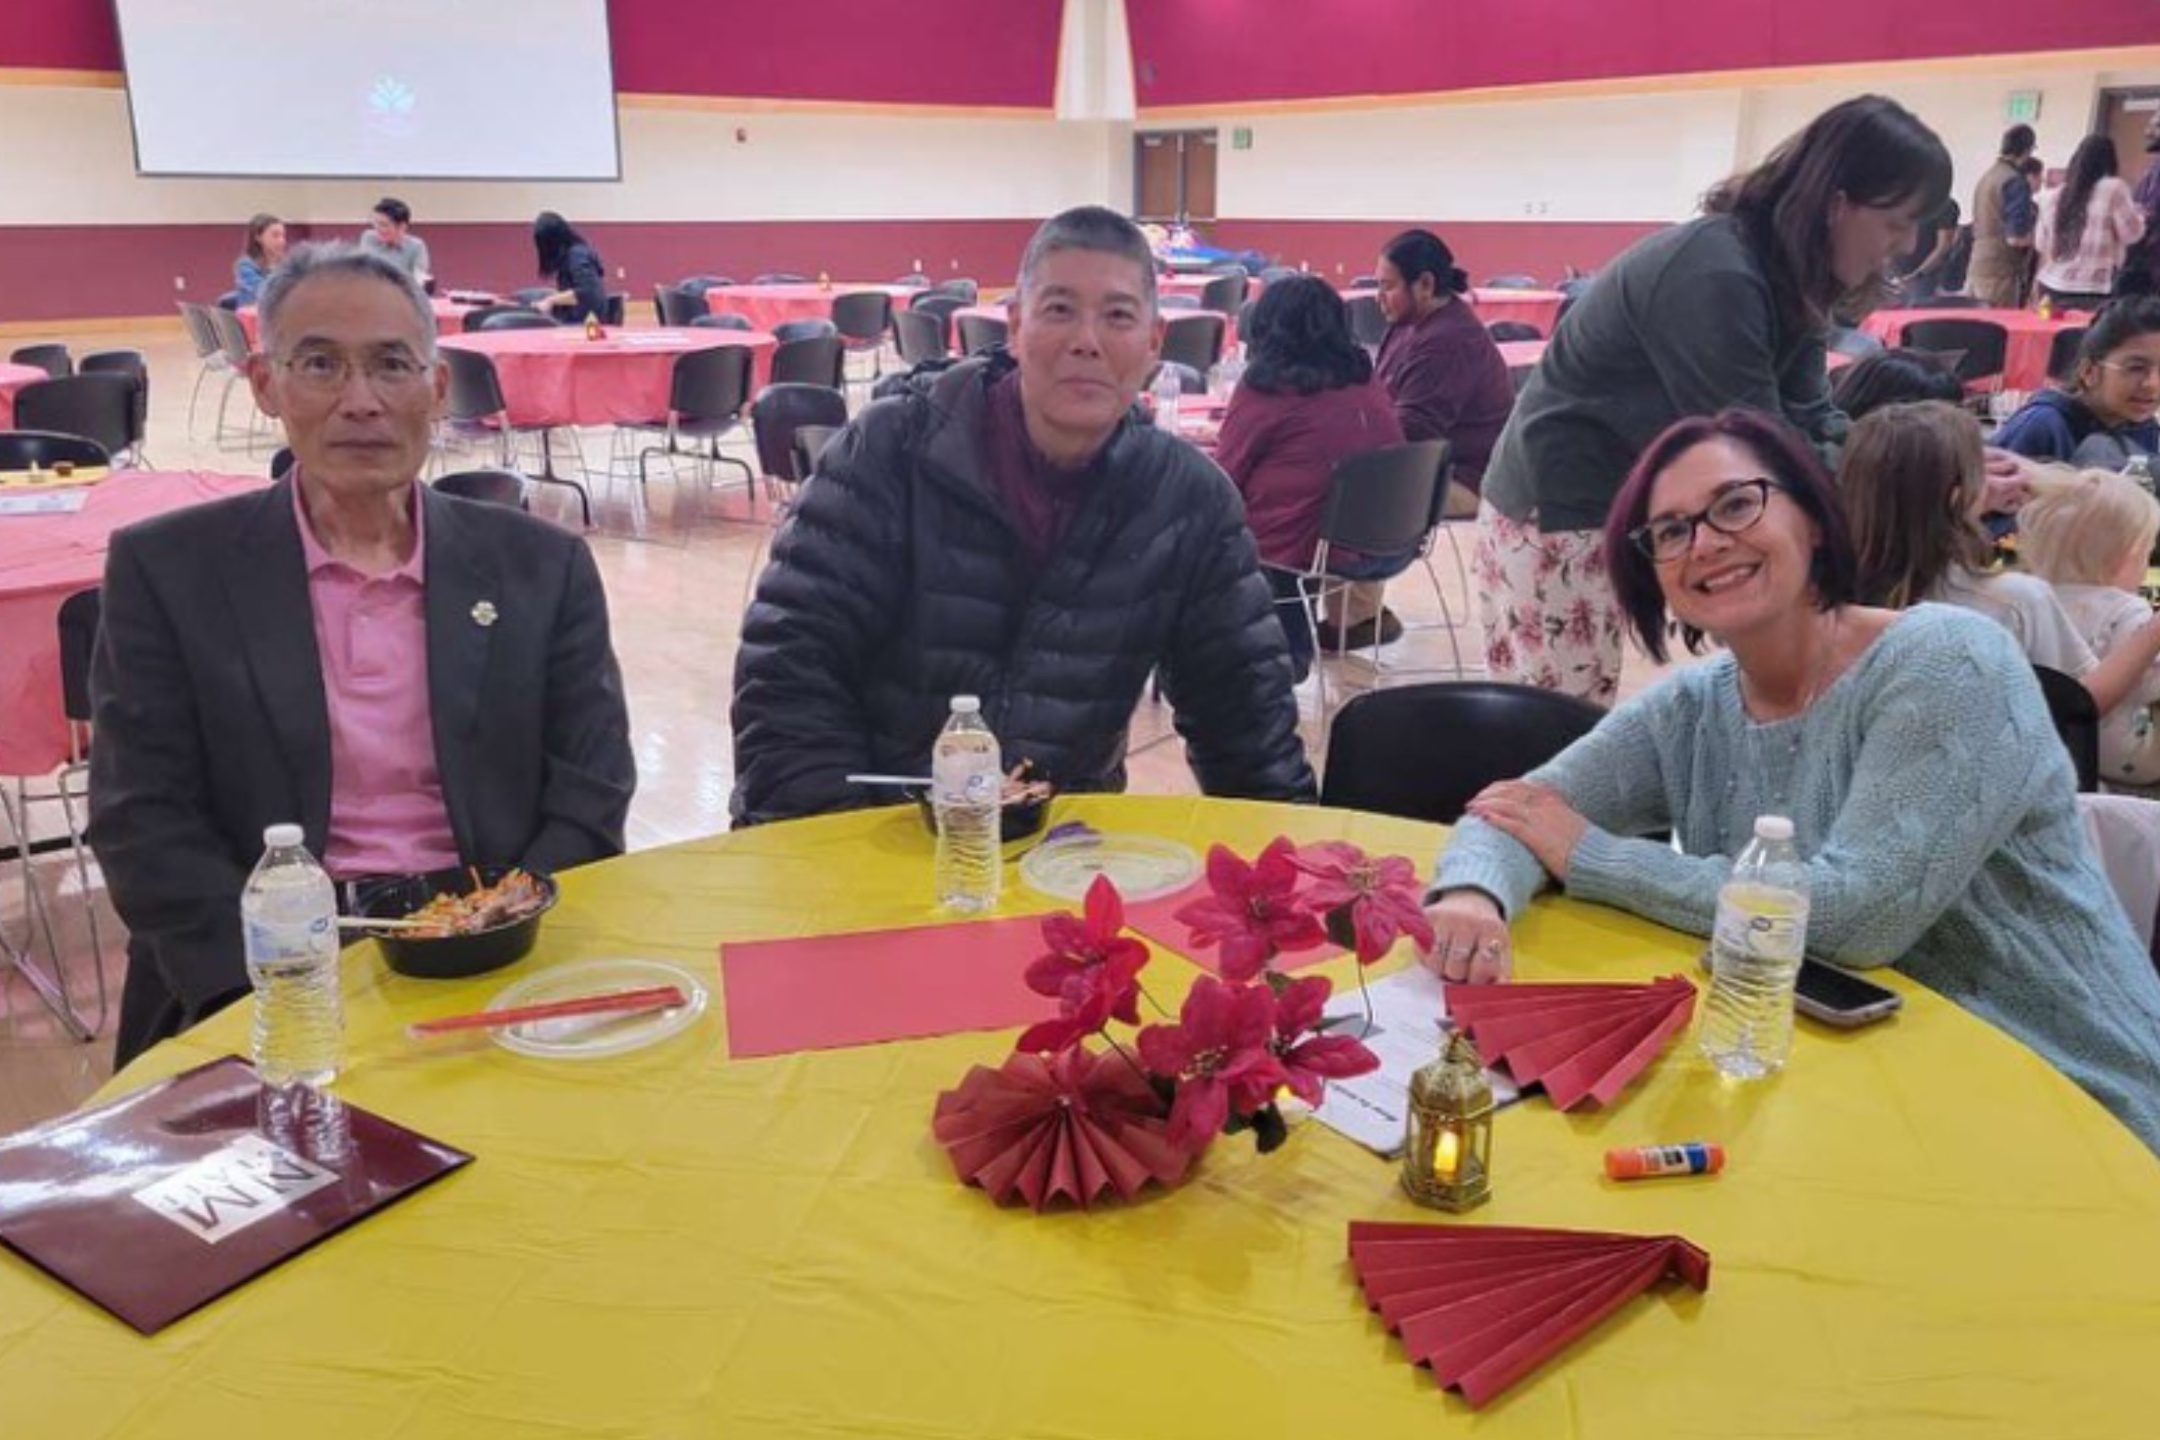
(274, 943)
(1764, 926)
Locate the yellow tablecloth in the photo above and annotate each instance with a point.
(1923, 1230)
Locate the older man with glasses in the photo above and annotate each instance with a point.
(419, 681)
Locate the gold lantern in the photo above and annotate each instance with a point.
(1447, 1160)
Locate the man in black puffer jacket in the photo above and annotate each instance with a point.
(1009, 530)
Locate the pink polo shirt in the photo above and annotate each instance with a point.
(386, 801)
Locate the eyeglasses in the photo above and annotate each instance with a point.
(2137, 372)
(1737, 507)
(391, 373)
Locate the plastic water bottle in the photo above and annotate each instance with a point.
(288, 920)
(2140, 469)
(967, 780)
(1167, 392)
(1756, 949)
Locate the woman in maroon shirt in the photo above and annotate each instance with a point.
(1306, 402)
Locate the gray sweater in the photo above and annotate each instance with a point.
(1682, 324)
(1936, 808)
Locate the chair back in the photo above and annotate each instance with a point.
(1516, 281)
(489, 487)
(809, 443)
(514, 317)
(201, 333)
(1224, 294)
(52, 358)
(678, 308)
(1984, 343)
(475, 388)
(942, 305)
(1368, 323)
(2063, 353)
(79, 615)
(21, 449)
(1385, 500)
(811, 360)
(788, 330)
(698, 284)
(921, 335)
(862, 316)
(231, 336)
(1194, 340)
(710, 385)
(729, 321)
(981, 332)
(1503, 331)
(133, 364)
(960, 285)
(783, 408)
(97, 407)
(2077, 720)
(477, 318)
(1424, 751)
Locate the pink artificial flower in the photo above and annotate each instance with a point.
(1092, 971)
(1382, 898)
(1220, 1054)
(1311, 1061)
(1254, 913)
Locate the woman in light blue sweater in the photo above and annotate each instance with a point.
(1912, 751)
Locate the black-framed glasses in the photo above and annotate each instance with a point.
(389, 372)
(1732, 510)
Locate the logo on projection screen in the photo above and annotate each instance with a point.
(390, 106)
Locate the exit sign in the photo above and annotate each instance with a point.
(2022, 107)
(1241, 138)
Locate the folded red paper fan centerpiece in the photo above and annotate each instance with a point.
(1576, 1041)
(1485, 1305)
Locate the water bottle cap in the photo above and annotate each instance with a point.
(966, 705)
(1773, 827)
(283, 837)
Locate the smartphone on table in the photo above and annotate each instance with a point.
(1838, 997)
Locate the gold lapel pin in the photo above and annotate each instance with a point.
(483, 614)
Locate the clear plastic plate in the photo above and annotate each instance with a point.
(589, 1037)
(1143, 867)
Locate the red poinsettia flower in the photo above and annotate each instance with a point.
(1254, 913)
(1380, 899)
(1219, 1053)
(1310, 1060)
(1092, 971)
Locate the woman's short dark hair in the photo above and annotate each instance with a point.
(1786, 459)
(1299, 340)
(1420, 252)
(552, 239)
(1870, 150)
(1893, 377)
(2119, 322)
(256, 225)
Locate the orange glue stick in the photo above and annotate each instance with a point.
(1647, 1162)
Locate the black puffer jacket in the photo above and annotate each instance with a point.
(899, 583)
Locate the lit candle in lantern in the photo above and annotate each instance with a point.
(1447, 1155)
(1447, 1144)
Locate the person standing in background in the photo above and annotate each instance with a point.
(2087, 226)
(2141, 272)
(2003, 219)
(389, 234)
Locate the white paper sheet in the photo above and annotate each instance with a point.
(1409, 1028)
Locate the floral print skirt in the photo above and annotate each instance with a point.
(1547, 607)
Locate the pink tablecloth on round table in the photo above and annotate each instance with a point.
(1529, 307)
(2025, 356)
(765, 306)
(12, 379)
(449, 318)
(558, 377)
(43, 560)
(1522, 352)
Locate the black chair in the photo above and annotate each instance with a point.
(1503, 331)
(1244, 321)
(476, 408)
(516, 319)
(676, 308)
(616, 313)
(1368, 323)
(52, 358)
(944, 307)
(1194, 340)
(1984, 342)
(863, 317)
(2077, 720)
(1423, 752)
(779, 411)
(980, 333)
(2063, 353)
(730, 321)
(476, 319)
(708, 391)
(1225, 293)
(22, 449)
(811, 360)
(489, 487)
(960, 285)
(1512, 282)
(96, 407)
(921, 336)
(281, 463)
(781, 277)
(133, 364)
(788, 330)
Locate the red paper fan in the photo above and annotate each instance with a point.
(1074, 1125)
(1485, 1305)
(1577, 1041)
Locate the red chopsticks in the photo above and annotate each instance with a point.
(624, 1002)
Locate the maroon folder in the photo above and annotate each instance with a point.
(165, 1199)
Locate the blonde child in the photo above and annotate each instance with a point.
(2089, 533)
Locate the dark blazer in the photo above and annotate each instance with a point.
(211, 723)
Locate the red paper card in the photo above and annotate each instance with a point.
(829, 992)
(1156, 920)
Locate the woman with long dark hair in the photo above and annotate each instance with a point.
(1306, 402)
(1728, 309)
(2104, 414)
(2087, 226)
(571, 264)
(265, 247)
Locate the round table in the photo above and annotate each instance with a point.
(46, 558)
(1922, 1231)
(2025, 352)
(12, 379)
(449, 318)
(766, 306)
(558, 377)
